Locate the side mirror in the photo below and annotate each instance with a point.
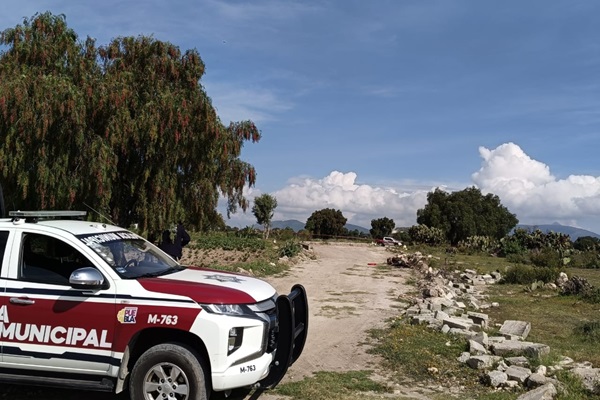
(86, 278)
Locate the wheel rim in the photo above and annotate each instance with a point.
(166, 381)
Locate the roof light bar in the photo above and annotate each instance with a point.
(46, 214)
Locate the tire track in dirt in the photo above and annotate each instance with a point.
(347, 297)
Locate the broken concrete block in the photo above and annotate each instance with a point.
(519, 361)
(518, 348)
(483, 361)
(546, 392)
(496, 378)
(535, 380)
(518, 373)
(476, 348)
(516, 328)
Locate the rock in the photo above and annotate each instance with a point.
(460, 323)
(542, 370)
(511, 384)
(590, 377)
(516, 328)
(562, 279)
(482, 338)
(441, 315)
(483, 362)
(546, 392)
(476, 348)
(496, 378)
(519, 361)
(518, 373)
(464, 357)
(535, 380)
(478, 318)
(515, 347)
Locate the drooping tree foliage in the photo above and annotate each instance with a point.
(326, 223)
(263, 209)
(466, 213)
(126, 129)
(382, 227)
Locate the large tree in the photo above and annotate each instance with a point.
(466, 213)
(126, 129)
(263, 209)
(382, 227)
(326, 223)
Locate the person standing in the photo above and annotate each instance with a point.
(167, 245)
(182, 238)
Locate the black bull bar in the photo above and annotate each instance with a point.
(292, 314)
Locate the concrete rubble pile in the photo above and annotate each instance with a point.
(453, 303)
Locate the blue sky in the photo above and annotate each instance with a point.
(365, 106)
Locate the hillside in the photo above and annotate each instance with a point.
(572, 231)
(296, 226)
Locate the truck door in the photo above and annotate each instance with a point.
(46, 324)
(4, 263)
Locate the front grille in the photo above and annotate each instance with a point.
(267, 311)
(270, 340)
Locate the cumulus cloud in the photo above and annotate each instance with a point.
(528, 189)
(525, 186)
(359, 203)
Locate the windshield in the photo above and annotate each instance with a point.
(130, 255)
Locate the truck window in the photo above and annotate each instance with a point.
(3, 240)
(45, 259)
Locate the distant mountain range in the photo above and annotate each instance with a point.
(296, 226)
(573, 232)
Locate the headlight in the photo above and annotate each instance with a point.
(235, 310)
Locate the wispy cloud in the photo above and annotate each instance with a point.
(235, 103)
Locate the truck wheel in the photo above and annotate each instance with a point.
(168, 371)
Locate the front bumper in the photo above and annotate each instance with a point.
(276, 348)
(292, 316)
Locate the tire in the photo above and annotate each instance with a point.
(153, 370)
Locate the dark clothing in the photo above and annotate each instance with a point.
(174, 249)
(167, 245)
(181, 239)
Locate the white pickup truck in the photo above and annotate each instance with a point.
(93, 306)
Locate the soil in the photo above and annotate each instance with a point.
(348, 295)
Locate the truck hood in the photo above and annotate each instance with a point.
(211, 287)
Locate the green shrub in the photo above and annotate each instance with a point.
(588, 331)
(290, 249)
(518, 258)
(526, 274)
(478, 244)
(592, 296)
(283, 234)
(422, 234)
(227, 242)
(510, 245)
(546, 258)
(585, 259)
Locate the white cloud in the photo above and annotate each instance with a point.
(359, 203)
(527, 188)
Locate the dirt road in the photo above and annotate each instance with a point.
(347, 297)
